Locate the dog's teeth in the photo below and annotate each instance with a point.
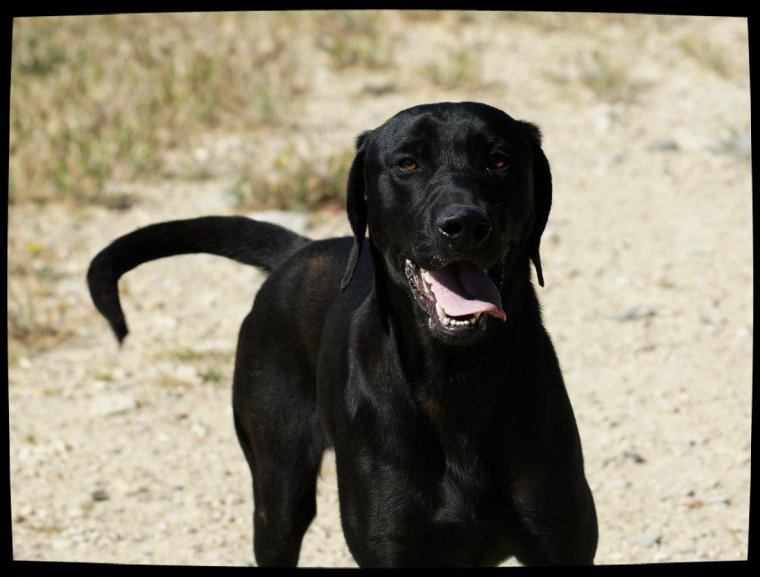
(426, 276)
(477, 316)
(445, 320)
(473, 321)
(440, 311)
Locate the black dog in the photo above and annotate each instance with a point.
(419, 354)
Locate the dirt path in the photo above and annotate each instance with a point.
(129, 455)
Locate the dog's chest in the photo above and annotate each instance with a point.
(466, 486)
(459, 494)
(471, 455)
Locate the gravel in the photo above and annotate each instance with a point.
(128, 454)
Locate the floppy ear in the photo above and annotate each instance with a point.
(356, 207)
(542, 197)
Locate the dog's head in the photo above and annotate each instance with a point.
(453, 195)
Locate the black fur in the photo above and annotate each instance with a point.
(255, 243)
(453, 447)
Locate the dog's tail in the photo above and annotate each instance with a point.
(260, 244)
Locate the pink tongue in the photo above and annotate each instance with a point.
(462, 290)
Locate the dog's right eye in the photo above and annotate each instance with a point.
(408, 164)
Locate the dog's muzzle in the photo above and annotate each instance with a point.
(457, 297)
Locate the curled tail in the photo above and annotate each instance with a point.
(260, 244)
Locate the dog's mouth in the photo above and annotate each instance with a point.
(458, 298)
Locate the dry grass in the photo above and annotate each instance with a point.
(101, 101)
(294, 181)
(609, 78)
(97, 101)
(459, 69)
(99, 98)
(709, 54)
(354, 38)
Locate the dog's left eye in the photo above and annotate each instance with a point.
(497, 163)
(408, 164)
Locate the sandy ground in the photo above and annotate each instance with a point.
(129, 455)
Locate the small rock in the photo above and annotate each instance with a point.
(199, 429)
(743, 332)
(99, 495)
(665, 145)
(720, 500)
(649, 541)
(646, 347)
(693, 503)
(114, 404)
(186, 374)
(635, 313)
(634, 456)
(713, 319)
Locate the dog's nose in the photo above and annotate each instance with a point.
(467, 225)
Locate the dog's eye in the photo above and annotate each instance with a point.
(408, 164)
(497, 162)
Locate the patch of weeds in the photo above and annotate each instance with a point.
(14, 358)
(544, 22)
(169, 381)
(212, 375)
(35, 323)
(114, 200)
(87, 506)
(183, 354)
(457, 70)
(424, 15)
(707, 54)
(294, 183)
(102, 375)
(355, 39)
(97, 99)
(380, 89)
(39, 56)
(47, 529)
(608, 79)
(190, 355)
(467, 16)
